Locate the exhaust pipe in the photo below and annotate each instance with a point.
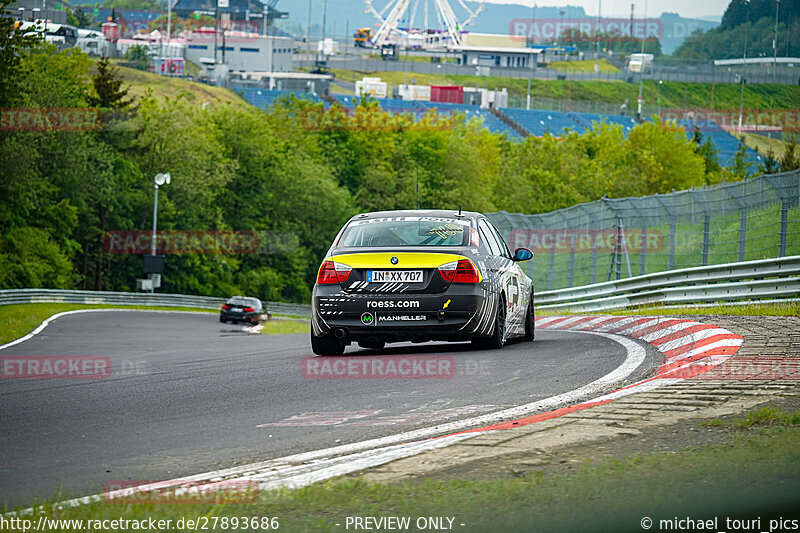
(340, 333)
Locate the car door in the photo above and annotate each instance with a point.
(498, 265)
(516, 286)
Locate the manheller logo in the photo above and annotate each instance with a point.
(367, 319)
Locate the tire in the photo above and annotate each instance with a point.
(222, 320)
(530, 323)
(326, 345)
(498, 338)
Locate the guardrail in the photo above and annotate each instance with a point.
(748, 280)
(20, 296)
(766, 278)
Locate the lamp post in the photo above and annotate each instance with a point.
(775, 43)
(159, 179)
(658, 96)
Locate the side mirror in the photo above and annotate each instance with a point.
(522, 254)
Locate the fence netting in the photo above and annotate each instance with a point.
(617, 238)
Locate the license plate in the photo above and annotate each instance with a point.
(394, 276)
(236, 309)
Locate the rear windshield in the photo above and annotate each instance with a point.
(241, 301)
(406, 231)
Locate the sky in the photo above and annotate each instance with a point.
(622, 8)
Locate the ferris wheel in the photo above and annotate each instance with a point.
(398, 18)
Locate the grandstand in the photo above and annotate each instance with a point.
(264, 98)
(535, 122)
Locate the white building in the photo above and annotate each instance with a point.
(490, 50)
(240, 51)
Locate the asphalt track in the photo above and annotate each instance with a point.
(187, 394)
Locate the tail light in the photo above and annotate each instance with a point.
(249, 309)
(461, 271)
(333, 272)
(226, 307)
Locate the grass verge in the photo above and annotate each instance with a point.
(750, 309)
(286, 327)
(756, 472)
(141, 83)
(585, 67)
(763, 144)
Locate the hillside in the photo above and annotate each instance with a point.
(673, 94)
(141, 82)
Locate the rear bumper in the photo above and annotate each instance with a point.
(239, 317)
(456, 314)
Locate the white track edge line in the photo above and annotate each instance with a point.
(50, 319)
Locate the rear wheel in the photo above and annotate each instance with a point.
(498, 337)
(530, 322)
(326, 345)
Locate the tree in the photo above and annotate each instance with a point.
(138, 56)
(790, 159)
(709, 153)
(770, 165)
(108, 91)
(13, 44)
(739, 165)
(78, 18)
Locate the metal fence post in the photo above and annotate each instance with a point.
(742, 232)
(643, 252)
(706, 237)
(673, 223)
(572, 260)
(784, 227)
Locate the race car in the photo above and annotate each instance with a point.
(241, 309)
(419, 276)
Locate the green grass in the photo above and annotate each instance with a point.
(19, 320)
(758, 468)
(769, 416)
(762, 144)
(286, 327)
(141, 83)
(586, 66)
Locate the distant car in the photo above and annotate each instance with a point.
(241, 309)
(418, 276)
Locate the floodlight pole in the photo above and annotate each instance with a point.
(775, 43)
(155, 220)
(159, 179)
